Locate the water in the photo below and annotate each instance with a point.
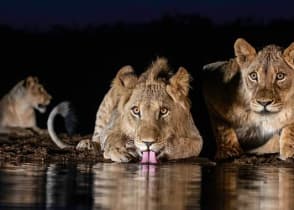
(133, 186)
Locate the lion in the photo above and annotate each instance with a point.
(250, 100)
(17, 106)
(145, 117)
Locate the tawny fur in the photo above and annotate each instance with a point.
(17, 106)
(121, 132)
(250, 101)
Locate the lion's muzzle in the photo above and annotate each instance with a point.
(146, 136)
(266, 106)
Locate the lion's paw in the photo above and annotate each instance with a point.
(118, 154)
(87, 144)
(228, 152)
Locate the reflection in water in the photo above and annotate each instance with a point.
(173, 186)
(47, 187)
(23, 184)
(68, 186)
(248, 188)
(133, 186)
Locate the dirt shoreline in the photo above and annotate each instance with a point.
(40, 149)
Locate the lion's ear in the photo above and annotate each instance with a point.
(125, 78)
(289, 55)
(244, 52)
(178, 87)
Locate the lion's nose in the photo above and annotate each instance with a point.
(265, 102)
(148, 143)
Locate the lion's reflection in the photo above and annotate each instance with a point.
(134, 186)
(174, 186)
(244, 187)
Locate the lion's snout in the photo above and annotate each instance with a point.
(147, 136)
(146, 143)
(264, 102)
(266, 106)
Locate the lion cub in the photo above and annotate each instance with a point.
(146, 117)
(251, 101)
(17, 106)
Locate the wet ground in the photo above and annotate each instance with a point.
(40, 148)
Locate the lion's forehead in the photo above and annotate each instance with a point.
(272, 51)
(268, 60)
(150, 93)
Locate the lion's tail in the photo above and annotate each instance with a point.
(65, 111)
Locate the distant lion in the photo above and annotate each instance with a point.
(146, 117)
(17, 107)
(251, 101)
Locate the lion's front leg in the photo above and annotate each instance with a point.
(287, 142)
(227, 144)
(180, 147)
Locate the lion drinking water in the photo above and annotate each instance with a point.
(146, 117)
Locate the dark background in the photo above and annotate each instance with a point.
(76, 58)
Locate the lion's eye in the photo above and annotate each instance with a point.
(135, 110)
(280, 76)
(253, 76)
(163, 111)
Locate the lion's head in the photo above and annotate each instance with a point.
(157, 109)
(36, 94)
(267, 76)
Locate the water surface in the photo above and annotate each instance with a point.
(133, 186)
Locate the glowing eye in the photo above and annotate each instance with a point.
(135, 110)
(280, 76)
(163, 111)
(253, 76)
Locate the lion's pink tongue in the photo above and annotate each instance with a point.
(149, 157)
(152, 157)
(145, 157)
